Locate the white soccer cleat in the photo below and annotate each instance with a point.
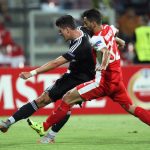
(3, 126)
(47, 139)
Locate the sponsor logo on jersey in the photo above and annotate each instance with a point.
(98, 43)
(139, 88)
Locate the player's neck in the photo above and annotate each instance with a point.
(76, 34)
(97, 29)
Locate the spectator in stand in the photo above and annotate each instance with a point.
(127, 22)
(15, 52)
(5, 39)
(4, 10)
(11, 54)
(68, 4)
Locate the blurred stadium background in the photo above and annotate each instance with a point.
(28, 38)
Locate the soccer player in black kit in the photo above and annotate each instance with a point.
(81, 69)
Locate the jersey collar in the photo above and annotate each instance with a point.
(98, 32)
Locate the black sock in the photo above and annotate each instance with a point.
(25, 111)
(61, 123)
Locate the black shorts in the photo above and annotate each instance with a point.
(64, 84)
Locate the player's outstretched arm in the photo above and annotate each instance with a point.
(46, 67)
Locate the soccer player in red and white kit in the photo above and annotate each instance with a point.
(108, 80)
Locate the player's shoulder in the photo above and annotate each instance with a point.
(96, 39)
(84, 30)
(107, 28)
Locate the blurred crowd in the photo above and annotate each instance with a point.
(132, 20)
(128, 24)
(11, 53)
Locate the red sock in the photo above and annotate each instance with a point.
(143, 115)
(57, 115)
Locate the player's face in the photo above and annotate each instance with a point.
(88, 24)
(64, 32)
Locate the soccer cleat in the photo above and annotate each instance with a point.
(38, 127)
(3, 126)
(47, 139)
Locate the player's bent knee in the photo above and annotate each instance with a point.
(72, 97)
(43, 100)
(67, 97)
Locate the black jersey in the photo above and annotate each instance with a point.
(80, 56)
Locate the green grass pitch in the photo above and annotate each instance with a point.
(99, 132)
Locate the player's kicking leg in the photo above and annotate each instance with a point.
(50, 136)
(38, 127)
(25, 111)
(70, 99)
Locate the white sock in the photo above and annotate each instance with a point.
(52, 133)
(12, 120)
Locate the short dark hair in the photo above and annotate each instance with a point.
(93, 15)
(66, 21)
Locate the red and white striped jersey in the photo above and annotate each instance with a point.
(106, 38)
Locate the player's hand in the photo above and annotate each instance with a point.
(121, 46)
(100, 68)
(25, 75)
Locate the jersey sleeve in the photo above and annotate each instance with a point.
(69, 56)
(98, 43)
(114, 29)
(74, 50)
